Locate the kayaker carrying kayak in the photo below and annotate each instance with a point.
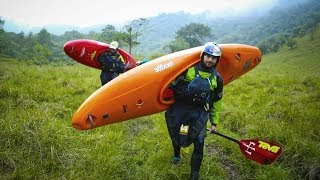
(111, 63)
(198, 93)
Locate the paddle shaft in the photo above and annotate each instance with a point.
(227, 137)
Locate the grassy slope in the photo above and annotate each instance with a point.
(278, 101)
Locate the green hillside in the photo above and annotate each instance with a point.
(277, 101)
(267, 29)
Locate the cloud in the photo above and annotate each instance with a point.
(93, 12)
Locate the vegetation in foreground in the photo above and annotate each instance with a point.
(278, 101)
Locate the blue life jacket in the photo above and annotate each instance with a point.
(198, 91)
(111, 62)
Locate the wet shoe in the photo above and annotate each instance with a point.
(176, 160)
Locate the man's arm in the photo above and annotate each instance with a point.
(216, 102)
(120, 66)
(102, 61)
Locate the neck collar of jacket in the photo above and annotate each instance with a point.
(202, 67)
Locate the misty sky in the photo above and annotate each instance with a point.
(94, 12)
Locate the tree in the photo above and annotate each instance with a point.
(315, 18)
(177, 45)
(70, 35)
(31, 41)
(44, 38)
(263, 46)
(107, 34)
(1, 24)
(133, 32)
(291, 43)
(43, 50)
(194, 33)
(92, 35)
(191, 35)
(2, 37)
(41, 54)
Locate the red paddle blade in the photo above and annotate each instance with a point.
(260, 151)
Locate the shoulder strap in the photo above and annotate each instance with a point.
(213, 74)
(118, 55)
(196, 71)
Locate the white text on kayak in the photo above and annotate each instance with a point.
(162, 67)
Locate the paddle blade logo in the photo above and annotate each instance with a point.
(268, 147)
(262, 152)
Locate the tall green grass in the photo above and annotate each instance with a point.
(277, 101)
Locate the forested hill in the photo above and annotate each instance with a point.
(294, 21)
(267, 29)
(254, 28)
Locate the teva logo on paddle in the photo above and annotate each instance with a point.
(267, 146)
(162, 67)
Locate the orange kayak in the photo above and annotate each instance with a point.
(144, 89)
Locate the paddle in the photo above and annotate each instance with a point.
(262, 152)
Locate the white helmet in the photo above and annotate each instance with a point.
(114, 45)
(213, 49)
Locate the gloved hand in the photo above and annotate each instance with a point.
(119, 67)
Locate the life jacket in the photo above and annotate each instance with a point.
(111, 62)
(196, 94)
(198, 91)
(112, 58)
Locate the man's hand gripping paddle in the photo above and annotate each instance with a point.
(260, 151)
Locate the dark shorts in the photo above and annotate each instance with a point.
(194, 116)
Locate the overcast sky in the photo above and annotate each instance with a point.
(94, 12)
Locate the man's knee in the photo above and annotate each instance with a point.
(199, 144)
(197, 151)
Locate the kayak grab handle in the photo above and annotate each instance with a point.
(140, 102)
(90, 120)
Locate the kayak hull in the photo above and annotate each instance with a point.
(87, 51)
(144, 90)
